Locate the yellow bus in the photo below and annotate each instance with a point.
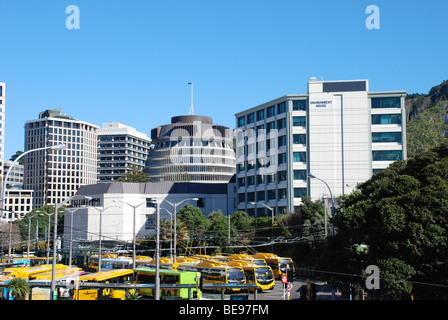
(246, 257)
(167, 276)
(261, 275)
(60, 274)
(28, 272)
(215, 272)
(111, 276)
(279, 265)
(109, 263)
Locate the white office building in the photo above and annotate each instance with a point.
(339, 132)
(120, 147)
(56, 175)
(115, 203)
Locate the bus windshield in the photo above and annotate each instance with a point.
(264, 275)
(235, 275)
(284, 263)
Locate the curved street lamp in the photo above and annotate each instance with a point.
(55, 147)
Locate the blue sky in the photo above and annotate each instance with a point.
(131, 61)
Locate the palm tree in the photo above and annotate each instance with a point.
(19, 288)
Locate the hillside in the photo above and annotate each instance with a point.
(425, 114)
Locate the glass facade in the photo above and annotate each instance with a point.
(386, 137)
(393, 102)
(386, 119)
(389, 155)
(299, 121)
(299, 105)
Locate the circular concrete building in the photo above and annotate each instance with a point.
(191, 148)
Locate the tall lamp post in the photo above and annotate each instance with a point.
(133, 228)
(175, 219)
(71, 236)
(312, 176)
(157, 279)
(5, 182)
(101, 210)
(171, 231)
(272, 225)
(55, 235)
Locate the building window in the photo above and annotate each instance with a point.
(149, 223)
(281, 123)
(282, 158)
(1, 91)
(386, 119)
(250, 118)
(299, 192)
(260, 115)
(271, 111)
(394, 102)
(271, 194)
(299, 105)
(299, 139)
(299, 121)
(386, 137)
(281, 175)
(299, 156)
(281, 108)
(281, 141)
(390, 155)
(261, 195)
(299, 174)
(270, 126)
(241, 121)
(281, 194)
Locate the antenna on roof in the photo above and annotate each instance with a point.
(191, 111)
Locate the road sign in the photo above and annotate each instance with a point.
(284, 279)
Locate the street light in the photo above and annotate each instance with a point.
(312, 176)
(55, 147)
(175, 220)
(71, 235)
(48, 236)
(157, 279)
(101, 215)
(57, 206)
(272, 227)
(171, 231)
(133, 229)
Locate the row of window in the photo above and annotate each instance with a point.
(268, 178)
(301, 105)
(273, 194)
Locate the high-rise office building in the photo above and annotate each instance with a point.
(191, 148)
(2, 122)
(120, 147)
(339, 131)
(56, 175)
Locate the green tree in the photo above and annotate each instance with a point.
(134, 175)
(19, 288)
(193, 219)
(218, 228)
(400, 215)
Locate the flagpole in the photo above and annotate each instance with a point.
(191, 107)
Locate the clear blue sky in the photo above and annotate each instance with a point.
(131, 61)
